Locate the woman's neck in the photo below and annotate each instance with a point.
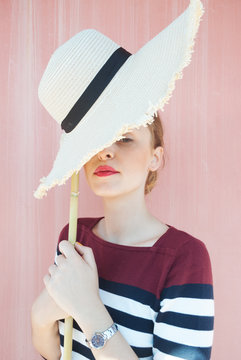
(127, 220)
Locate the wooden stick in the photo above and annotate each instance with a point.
(73, 216)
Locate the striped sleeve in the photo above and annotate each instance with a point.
(183, 328)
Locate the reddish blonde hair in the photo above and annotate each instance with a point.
(156, 130)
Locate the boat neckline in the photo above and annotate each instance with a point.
(120, 246)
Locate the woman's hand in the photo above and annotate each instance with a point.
(73, 283)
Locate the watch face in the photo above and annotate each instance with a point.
(98, 341)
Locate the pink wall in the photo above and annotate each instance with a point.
(197, 190)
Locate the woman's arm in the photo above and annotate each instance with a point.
(97, 319)
(73, 285)
(45, 333)
(183, 328)
(46, 340)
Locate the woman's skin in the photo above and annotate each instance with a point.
(123, 193)
(124, 211)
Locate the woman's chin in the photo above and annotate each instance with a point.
(106, 193)
(108, 190)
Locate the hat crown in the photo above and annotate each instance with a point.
(70, 70)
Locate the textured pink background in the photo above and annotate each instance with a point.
(197, 190)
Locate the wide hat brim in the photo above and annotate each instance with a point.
(143, 85)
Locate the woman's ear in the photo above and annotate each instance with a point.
(156, 158)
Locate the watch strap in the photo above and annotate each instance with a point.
(110, 331)
(106, 335)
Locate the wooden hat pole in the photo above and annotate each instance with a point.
(73, 216)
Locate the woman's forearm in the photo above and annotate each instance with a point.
(116, 347)
(45, 339)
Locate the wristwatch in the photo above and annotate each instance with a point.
(99, 339)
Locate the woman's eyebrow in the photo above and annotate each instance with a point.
(129, 133)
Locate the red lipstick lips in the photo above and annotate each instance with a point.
(105, 171)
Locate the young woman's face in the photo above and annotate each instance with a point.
(132, 157)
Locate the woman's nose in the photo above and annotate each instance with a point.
(106, 153)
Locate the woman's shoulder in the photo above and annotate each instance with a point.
(88, 222)
(180, 239)
(191, 257)
(82, 222)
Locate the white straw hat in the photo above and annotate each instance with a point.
(97, 91)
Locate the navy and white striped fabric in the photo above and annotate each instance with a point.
(161, 297)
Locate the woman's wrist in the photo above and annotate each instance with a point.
(95, 318)
(99, 320)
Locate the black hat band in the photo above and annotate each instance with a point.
(94, 89)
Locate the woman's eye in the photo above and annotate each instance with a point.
(125, 140)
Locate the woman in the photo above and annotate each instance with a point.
(150, 279)
(137, 288)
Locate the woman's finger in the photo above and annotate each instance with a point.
(52, 269)
(66, 248)
(87, 254)
(46, 279)
(60, 259)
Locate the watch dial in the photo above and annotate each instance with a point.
(98, 341)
